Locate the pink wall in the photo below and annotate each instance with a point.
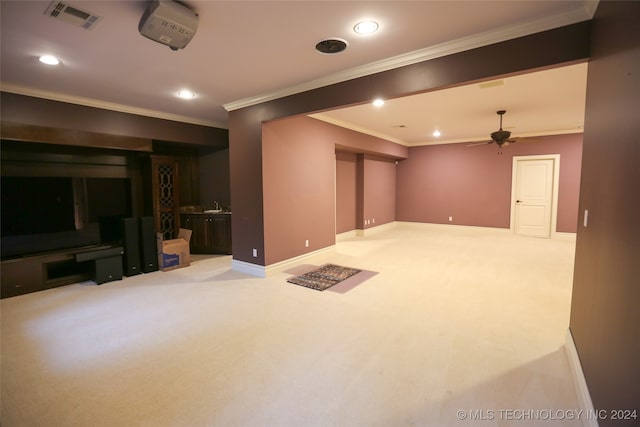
(379, 188)
(346, 191)
(311, 191)
(473, 184)
(298, 181)
(299, 172)
(365, 191)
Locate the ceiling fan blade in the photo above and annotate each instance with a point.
(480, 143)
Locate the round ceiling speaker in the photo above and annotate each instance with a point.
(331, 46)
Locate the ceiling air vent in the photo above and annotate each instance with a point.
(73, 15)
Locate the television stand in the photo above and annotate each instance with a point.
(49, 270)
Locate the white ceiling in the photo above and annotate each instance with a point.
(548, 102)
(250, 51)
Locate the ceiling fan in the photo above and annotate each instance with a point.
(500, 136)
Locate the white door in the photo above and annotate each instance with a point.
(533, 203)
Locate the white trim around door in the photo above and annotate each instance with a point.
(555, 158)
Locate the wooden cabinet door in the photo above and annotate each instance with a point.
(201, 244)
(201, 237)
(220, 238)
(210, 234)
(166, 200)
(21, 277)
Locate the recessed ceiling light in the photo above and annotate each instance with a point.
(378, 102)
(186, 94)
(49, 60)
(366, 27)
(436, 133)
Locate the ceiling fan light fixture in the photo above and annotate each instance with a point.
(500, 135)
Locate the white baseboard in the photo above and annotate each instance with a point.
(248, 268)
(263, 271)
(563, 235)
(579, 383)
(295, 260)
(378, 228)
(346, 235)
(453, 226)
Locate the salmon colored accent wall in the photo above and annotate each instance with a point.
(300, 171)
(298, 190)
(473, 184)
(311, 191)
(379, 189)
(346, 191)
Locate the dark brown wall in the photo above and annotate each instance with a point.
(245, 162)
(214, 178)
(549, 48)
(59, 124)
(43, 112)
(605, 319)
(473, 184)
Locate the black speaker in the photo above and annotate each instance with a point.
(148, 244)
(106, 264)
(131, 244)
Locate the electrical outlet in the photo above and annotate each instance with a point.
(255, 253)
(306, 243)
(450, 218)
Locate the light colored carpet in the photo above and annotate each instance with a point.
(457, 319)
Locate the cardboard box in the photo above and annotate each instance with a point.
(174, 253)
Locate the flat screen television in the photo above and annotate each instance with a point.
(42, 214)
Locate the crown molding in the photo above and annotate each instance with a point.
(583, 11)
(359, 129)
(590, 7)
(527, 135)
(470, 140)
(95, 103)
